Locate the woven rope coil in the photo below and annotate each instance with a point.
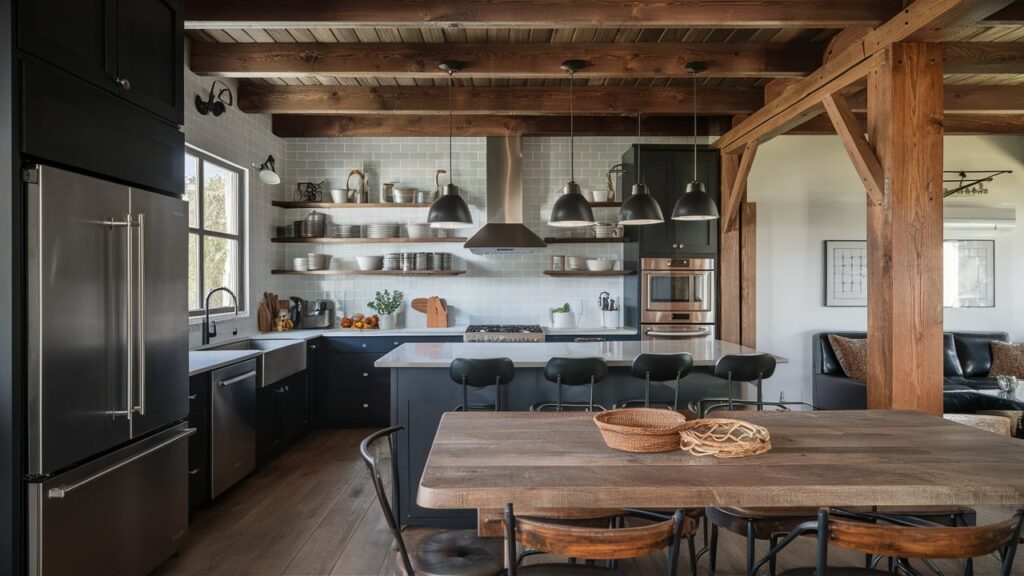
(640, 429)
(724, 438)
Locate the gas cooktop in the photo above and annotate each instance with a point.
(504, 333)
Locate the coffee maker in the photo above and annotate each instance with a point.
(312, 314)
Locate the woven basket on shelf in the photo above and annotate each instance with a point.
(640, 429)
(724, 438)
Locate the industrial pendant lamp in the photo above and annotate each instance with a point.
(450, 210)
(571, 209)
(695, 203)
(640, 209)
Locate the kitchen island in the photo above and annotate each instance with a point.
(422, 391)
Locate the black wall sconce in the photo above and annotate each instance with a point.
(215, 104)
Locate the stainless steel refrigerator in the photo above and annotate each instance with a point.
(107, 374)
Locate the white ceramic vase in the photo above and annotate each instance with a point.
(389, 321)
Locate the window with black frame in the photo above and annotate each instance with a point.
(215, 191)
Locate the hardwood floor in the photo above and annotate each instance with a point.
(312, 511)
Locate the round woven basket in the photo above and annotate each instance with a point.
(640, 429)
(724, 438)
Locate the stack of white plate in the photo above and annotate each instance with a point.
(300, 264)
(418, 230)
(346, 231)
(382, 230)
(318, 261)
(392, 261)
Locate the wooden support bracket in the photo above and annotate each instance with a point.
(857, 146)
(730, 216)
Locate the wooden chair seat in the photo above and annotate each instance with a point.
(568, 570)
(766, 521)
(453, 553)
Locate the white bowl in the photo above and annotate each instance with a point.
(369, 262)
(600, 265)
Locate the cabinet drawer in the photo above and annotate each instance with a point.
(361, 371)
(345, 406)
(353, 344)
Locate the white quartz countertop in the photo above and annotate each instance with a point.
(535, 355)
(413, 332)
(200, 361)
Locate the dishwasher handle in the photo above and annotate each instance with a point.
(63, 491)
(237, 379)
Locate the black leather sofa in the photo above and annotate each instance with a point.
(966, 359)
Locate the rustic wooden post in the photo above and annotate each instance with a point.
(905, 231)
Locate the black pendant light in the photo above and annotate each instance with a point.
(571, 209)
(640, 209)
(695, 203)
(450, 210)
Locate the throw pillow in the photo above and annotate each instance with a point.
(852, 355)
(1007, 360)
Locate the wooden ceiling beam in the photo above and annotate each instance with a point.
(419, 60)
(968, 99)
(983, 57)
(952, 124)
(599, 100)
(921, 20)
(537, 13)
(328, 126)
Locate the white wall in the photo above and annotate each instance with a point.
(245, 140)
(807, 192)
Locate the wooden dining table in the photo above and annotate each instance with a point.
(852, 458)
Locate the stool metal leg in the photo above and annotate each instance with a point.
(730, 391)
(675, 400)
(591, 408)
(713, 547)
(559, 407)
(497, 394)
(465, 395)
(647, 390)
(760, 394)
(751, 548)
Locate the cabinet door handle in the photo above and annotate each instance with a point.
(124, 83)
(193, 472)
(395, 343)
(193, 396)
(236, 379)
(366, 375)
(279, 390)
(366, 405)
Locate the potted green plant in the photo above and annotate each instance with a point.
(386, 304)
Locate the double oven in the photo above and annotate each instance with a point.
(677, 298)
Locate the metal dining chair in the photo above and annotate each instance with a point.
(750, 368)
(592, 544)
(898, 539)
(481, 373)
(573, 372)
(453, 552)
(659, 368)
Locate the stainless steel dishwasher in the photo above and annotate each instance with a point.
(232, 426)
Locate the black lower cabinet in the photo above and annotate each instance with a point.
(282, 414)
(199, 443)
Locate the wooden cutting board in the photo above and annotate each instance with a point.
(435, 308)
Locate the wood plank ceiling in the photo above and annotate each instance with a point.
(990, 54)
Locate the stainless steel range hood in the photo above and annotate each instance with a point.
(504, 232)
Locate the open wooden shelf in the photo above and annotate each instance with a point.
(606, 204)
(571, 240)
(560, 273)
(292, 204)
(344, 272)
(292, 240)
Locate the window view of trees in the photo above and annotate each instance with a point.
(214, 195)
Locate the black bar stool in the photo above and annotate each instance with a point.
(481, 373)
(658, 368)
(573, 372)
(750, 368)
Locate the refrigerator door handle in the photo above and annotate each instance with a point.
(127, 224)
(62, 491)
(140, 340)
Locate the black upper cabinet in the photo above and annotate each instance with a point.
(150, 56)
(79, 36)
(667, 169)
(132, 48)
